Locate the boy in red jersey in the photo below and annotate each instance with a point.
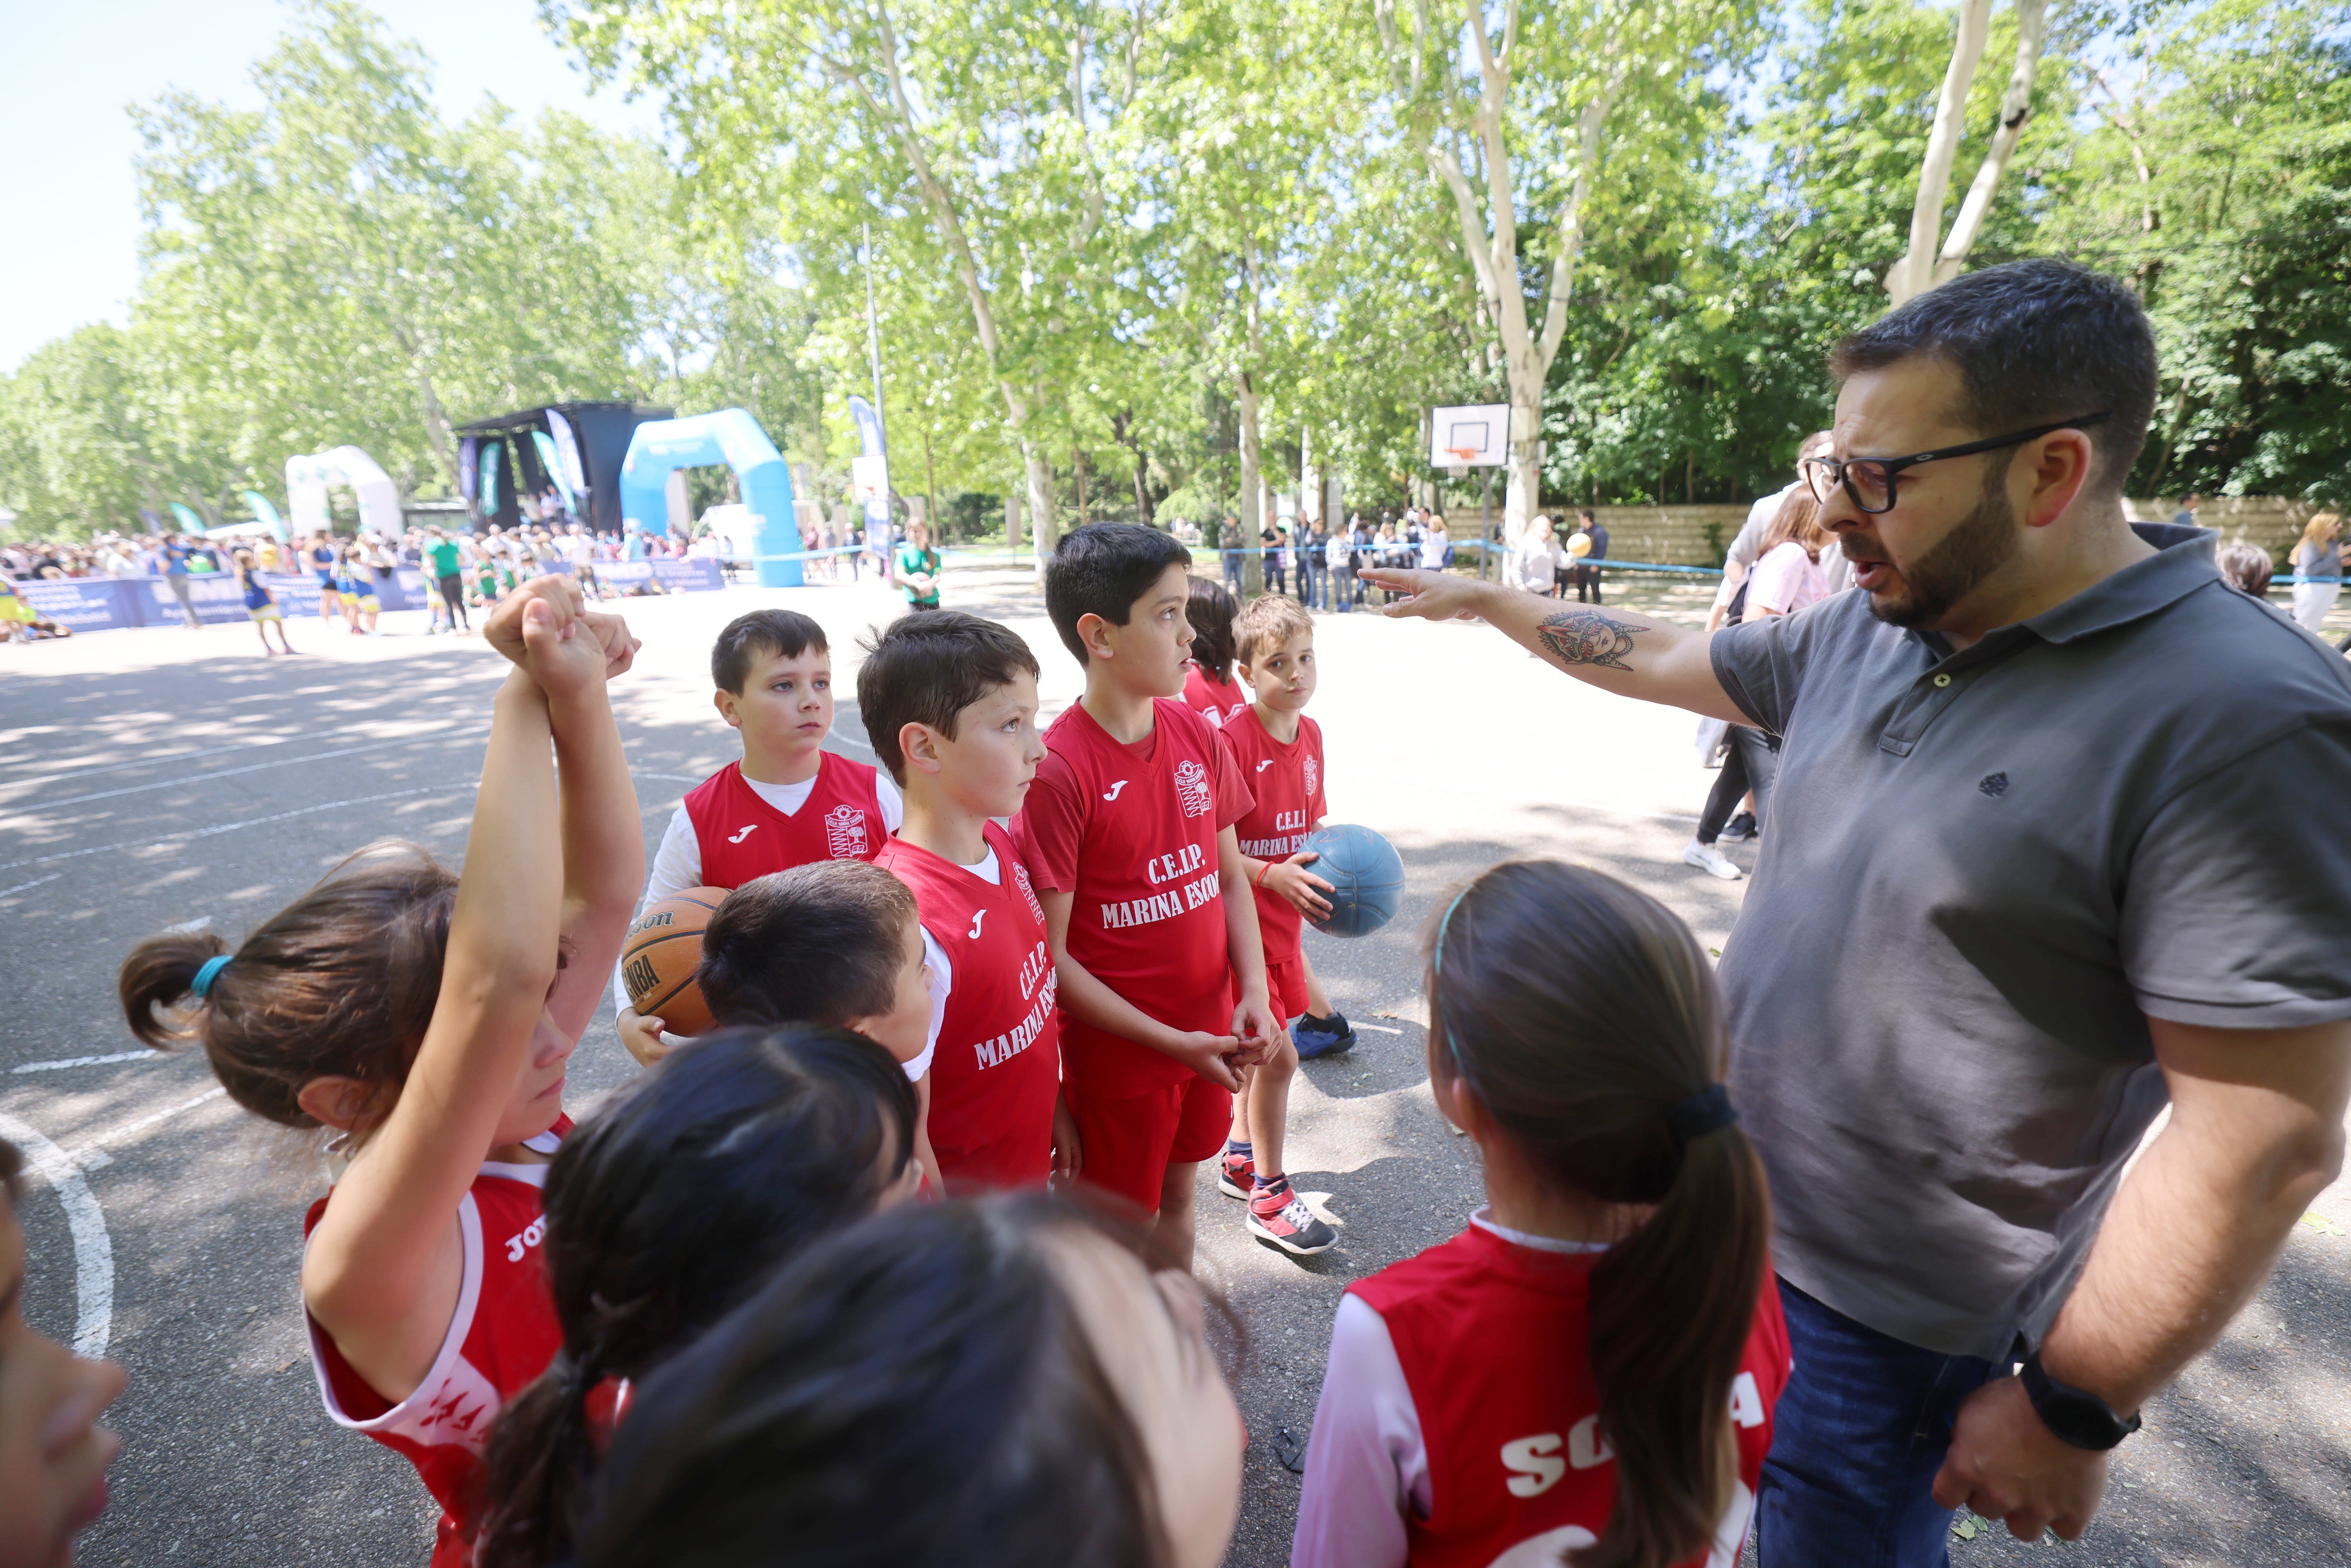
(1280, 751)
(950, 701)
(1128, 831)
(788, 801)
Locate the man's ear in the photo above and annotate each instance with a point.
(2061, 465)
(725, 701)
(335, 1100)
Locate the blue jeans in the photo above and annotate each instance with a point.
(1311, 580)
(1855, 1442)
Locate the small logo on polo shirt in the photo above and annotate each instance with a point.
(1993, 784)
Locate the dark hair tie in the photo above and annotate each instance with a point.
(1707, 1111)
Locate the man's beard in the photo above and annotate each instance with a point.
(1980, 545)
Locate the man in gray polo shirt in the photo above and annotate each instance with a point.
(2033, 872)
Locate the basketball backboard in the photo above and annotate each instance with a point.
(1473, 435)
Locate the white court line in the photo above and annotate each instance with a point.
(34, 808)
(145, 762)
(93, 1155)
(36, 882)
(194, 834)
(93, 1250)
(88, 1060)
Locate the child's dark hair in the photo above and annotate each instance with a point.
(926, 669)
(1579, 1011)
(666, 1209)
(1102, 570)
(778, 633)
(343, 981)
(915, 1389)
(819, 944)
(1211, 610)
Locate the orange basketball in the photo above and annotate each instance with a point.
(658, 958)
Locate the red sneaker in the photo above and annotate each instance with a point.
(1280, 1216)
(1236, 1174)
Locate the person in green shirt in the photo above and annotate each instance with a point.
(918, 569)
(441, 564)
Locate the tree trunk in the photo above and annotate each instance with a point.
(931, 489)
(1915, 273)
(1044, 532)
(2015, 110)
(1078, 467)
(1252, 488)
(436, 427)
(1122, 430)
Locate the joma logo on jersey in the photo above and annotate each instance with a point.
(844, 833)
(1192, 788)
(523, 1241)
(1168, 868)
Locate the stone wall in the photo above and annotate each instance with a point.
(1697, 536)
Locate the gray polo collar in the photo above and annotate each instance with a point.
(2181, 564)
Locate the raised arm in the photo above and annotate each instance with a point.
(2256, 1134)
(1617, 650)
(603, 832)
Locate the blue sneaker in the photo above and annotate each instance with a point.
(1316, 1037)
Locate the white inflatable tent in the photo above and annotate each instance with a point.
(309, 479)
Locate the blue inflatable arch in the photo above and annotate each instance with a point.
(730, 437)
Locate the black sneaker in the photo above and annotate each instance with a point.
(1316, 1037)
(1738, 828)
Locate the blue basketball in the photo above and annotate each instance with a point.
(1366, 875)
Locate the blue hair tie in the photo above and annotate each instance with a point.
(1437, 964)
(208, 973)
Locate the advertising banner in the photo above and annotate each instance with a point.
(575, 473)
(88, 603)
(696, 574)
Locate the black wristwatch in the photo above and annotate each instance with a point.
(2075, 1415)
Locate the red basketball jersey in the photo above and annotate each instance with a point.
(1219, 702)
(1491, 1338)
(501, 1338)
(998, 1066)
(742, 836)
(1286, 782)
(1130, 831)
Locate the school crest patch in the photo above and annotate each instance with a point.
(1313, 772)
(1192, 788)
(844, 833)
(1020, 877)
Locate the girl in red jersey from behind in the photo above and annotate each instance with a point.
(1586, 1374)
(428, 1018)
(1209, 688)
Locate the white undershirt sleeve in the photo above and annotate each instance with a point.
(677, 865)
(893, 805)
(1365, 1462)
(942, 983)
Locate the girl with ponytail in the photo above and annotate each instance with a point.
(1586, 1374)
(665, 1210)
(427, 1018)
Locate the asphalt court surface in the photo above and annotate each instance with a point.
(155, 778)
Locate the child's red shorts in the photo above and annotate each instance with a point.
(1127, 1143)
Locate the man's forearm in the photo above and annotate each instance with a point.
(2201, 1217)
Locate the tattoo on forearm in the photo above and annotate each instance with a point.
(1588, 637)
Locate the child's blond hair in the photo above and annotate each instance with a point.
(1264, 624)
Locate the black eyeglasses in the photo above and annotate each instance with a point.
(1870, 480)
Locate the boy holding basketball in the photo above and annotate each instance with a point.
(788, 801)
(1280, 751)
(950, 701)
(1128, 832)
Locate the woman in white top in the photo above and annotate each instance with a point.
(1788, 573)
(2318, 569)
(1432, 545)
